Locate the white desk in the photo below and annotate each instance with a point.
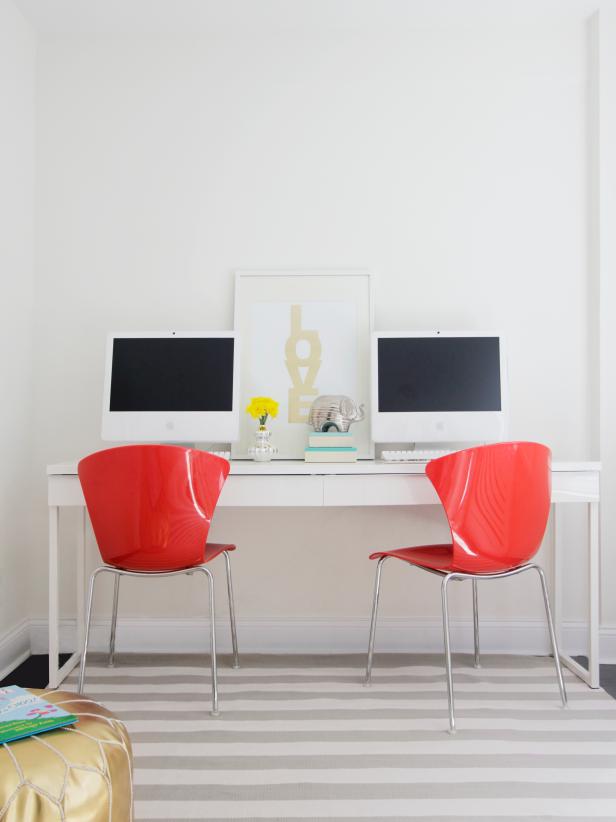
(365, 483)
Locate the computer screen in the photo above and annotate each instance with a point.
(171, 387)
(439, 374)
(175, 374)
(437, 387)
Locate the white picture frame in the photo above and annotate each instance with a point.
(303, 333)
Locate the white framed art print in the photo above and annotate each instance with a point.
(302, 334)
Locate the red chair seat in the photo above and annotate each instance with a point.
(438, 557)
(213, 549)
(210, 552)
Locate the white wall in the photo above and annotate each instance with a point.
(17, 74)
(449, 159)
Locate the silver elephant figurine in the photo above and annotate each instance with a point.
(334, 412)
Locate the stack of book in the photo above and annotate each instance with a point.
(333, 446)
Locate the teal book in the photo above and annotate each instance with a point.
(24, 714)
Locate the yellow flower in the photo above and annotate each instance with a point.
(262, 407)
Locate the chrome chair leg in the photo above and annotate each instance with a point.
(236, 658)
(476, 624)
(82, 667)
(548, 614)
(375, 606)
(114, 620)
(452, 719)
(208, 573)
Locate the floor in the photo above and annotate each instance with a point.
(33, 673)
(608, 679)
(299, 738)
(607, 675)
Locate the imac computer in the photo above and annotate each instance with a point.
(172, 386)
(437, 387)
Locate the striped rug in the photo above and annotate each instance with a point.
(300, 738)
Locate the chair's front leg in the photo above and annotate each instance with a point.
(452, 719)
(82, 668)
(114, 620)
(555, 652)
(375, 606)
(208, 574)
(236, 658)
(476, 624)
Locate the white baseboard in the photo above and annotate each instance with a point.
(14, 647)
(324, 636)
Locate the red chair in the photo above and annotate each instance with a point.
(497, 502)
(151, 507)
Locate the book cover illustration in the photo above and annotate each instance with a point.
(23, 714)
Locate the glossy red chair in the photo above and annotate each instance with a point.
(497, 501)
(151, 507)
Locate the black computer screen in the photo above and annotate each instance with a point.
(439, 374)
(172, 374)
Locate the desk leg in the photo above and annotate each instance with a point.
(54, 642)
(57, 674)
(590, 676)
(593, 594)
(80, 574)
(557, 576)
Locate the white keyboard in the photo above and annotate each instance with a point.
(415, 455)
(226, 455)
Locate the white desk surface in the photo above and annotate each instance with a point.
(282, 467)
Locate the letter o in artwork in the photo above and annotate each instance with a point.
(303, 350)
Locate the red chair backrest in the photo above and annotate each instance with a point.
(497, 501)
(151, 505)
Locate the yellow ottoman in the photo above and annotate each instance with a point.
(81, 773)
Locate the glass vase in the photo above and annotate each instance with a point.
(262, 450)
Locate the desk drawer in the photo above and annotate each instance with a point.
(370, 489)
(64, 490)
(272, 491)
(575, 486)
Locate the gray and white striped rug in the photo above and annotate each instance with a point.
(300, 738)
